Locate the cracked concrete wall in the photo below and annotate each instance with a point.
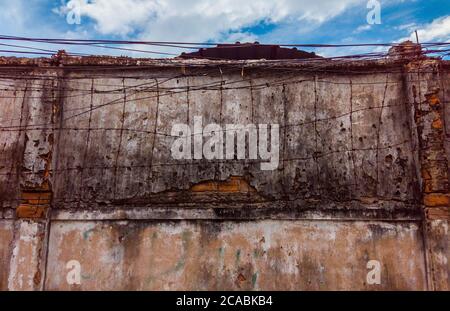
(13, 97)
(93, 170)
(25, 187)
(343, 156)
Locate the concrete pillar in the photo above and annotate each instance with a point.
(29, 246)
(423, 87)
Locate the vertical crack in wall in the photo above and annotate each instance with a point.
(155, 130)
(380, 123)
(316, 140)
(352, 148)
(188, 120)
(86, 147)
(119, 147)
(222, 82)
(285, 138)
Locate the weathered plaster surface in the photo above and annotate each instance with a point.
(363, 175)
(256, 255)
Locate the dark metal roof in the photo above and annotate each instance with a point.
(246, 51)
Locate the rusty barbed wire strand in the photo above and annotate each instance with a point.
(40, 128)
(224, 161)
(183, 89)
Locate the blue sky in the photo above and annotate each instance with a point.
(266, 21)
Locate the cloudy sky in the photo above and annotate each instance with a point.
(266, 21)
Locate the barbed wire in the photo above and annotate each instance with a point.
(202, 162)
(214, 86)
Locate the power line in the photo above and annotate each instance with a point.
(105, 44)
(76, 41)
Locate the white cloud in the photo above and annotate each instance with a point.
(175, 20)
(13, 13)
(22, 18)
(408, 27)
(201, 20)
(362, 28)
(437, 30)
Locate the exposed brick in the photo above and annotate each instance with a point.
(437, 213)
(233, 185)
(437, 124)
(31, 211)
(433, 99)
(432, 200)
(36, 197)
(204, 187)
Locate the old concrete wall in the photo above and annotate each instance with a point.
(88, 175)
(342, 138)
(255, 255)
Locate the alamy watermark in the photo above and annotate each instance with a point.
(73, 276)
(73, 12)
(374, 15)
(73, 15)
(374, 275)
(213, 142)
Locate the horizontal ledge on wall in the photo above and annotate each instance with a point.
(237, 214)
